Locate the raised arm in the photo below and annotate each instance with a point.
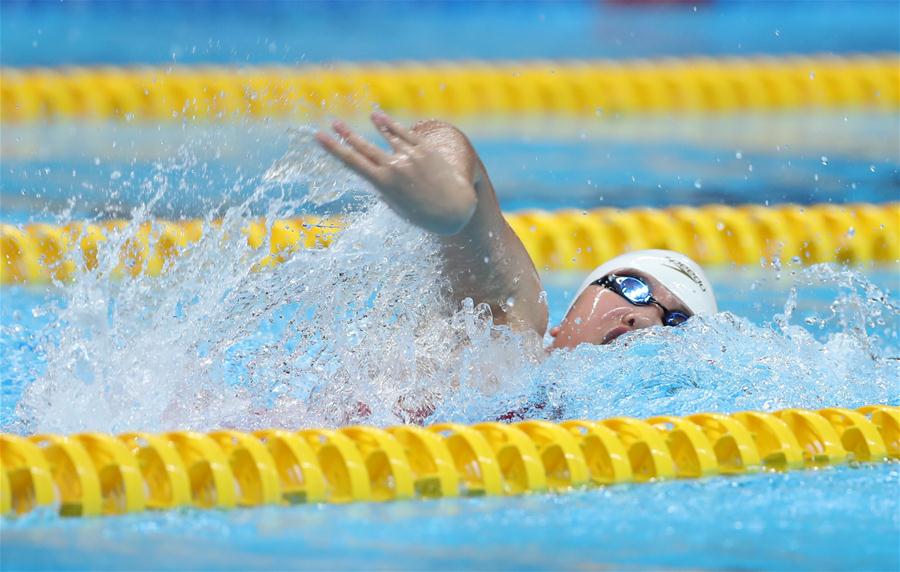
(436, 181)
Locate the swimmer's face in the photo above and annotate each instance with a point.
(600, 315)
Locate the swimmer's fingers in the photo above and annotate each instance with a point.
(398, 137)
(348, 156)
(369, 151)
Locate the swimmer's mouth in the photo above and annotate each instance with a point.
(615, 333)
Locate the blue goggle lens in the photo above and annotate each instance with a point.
(675, 318)
(637, 292)
(634, 290)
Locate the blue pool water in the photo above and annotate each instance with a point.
(836, 519)
(98, 169)
(213, 345)
(86, 33)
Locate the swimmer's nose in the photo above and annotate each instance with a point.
(642, 317)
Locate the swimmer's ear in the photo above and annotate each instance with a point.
(554, 331)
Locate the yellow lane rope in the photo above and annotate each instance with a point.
(452, 89)
(93, 473)
(559, 240)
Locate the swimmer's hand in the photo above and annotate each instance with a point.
(417, 180)
(435, 179)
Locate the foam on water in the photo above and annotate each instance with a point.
(363, 331)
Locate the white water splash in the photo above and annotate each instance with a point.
(362, 332)
(309, 165)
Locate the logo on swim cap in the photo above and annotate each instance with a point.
(686, 270)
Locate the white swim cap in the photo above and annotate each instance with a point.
(681, 275)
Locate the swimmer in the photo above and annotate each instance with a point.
(435, 180)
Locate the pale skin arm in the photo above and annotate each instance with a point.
(435, 180)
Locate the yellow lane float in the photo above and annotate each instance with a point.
(561, 240)
(453, 89)
(92, 473)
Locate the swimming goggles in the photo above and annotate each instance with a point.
(637, 292)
